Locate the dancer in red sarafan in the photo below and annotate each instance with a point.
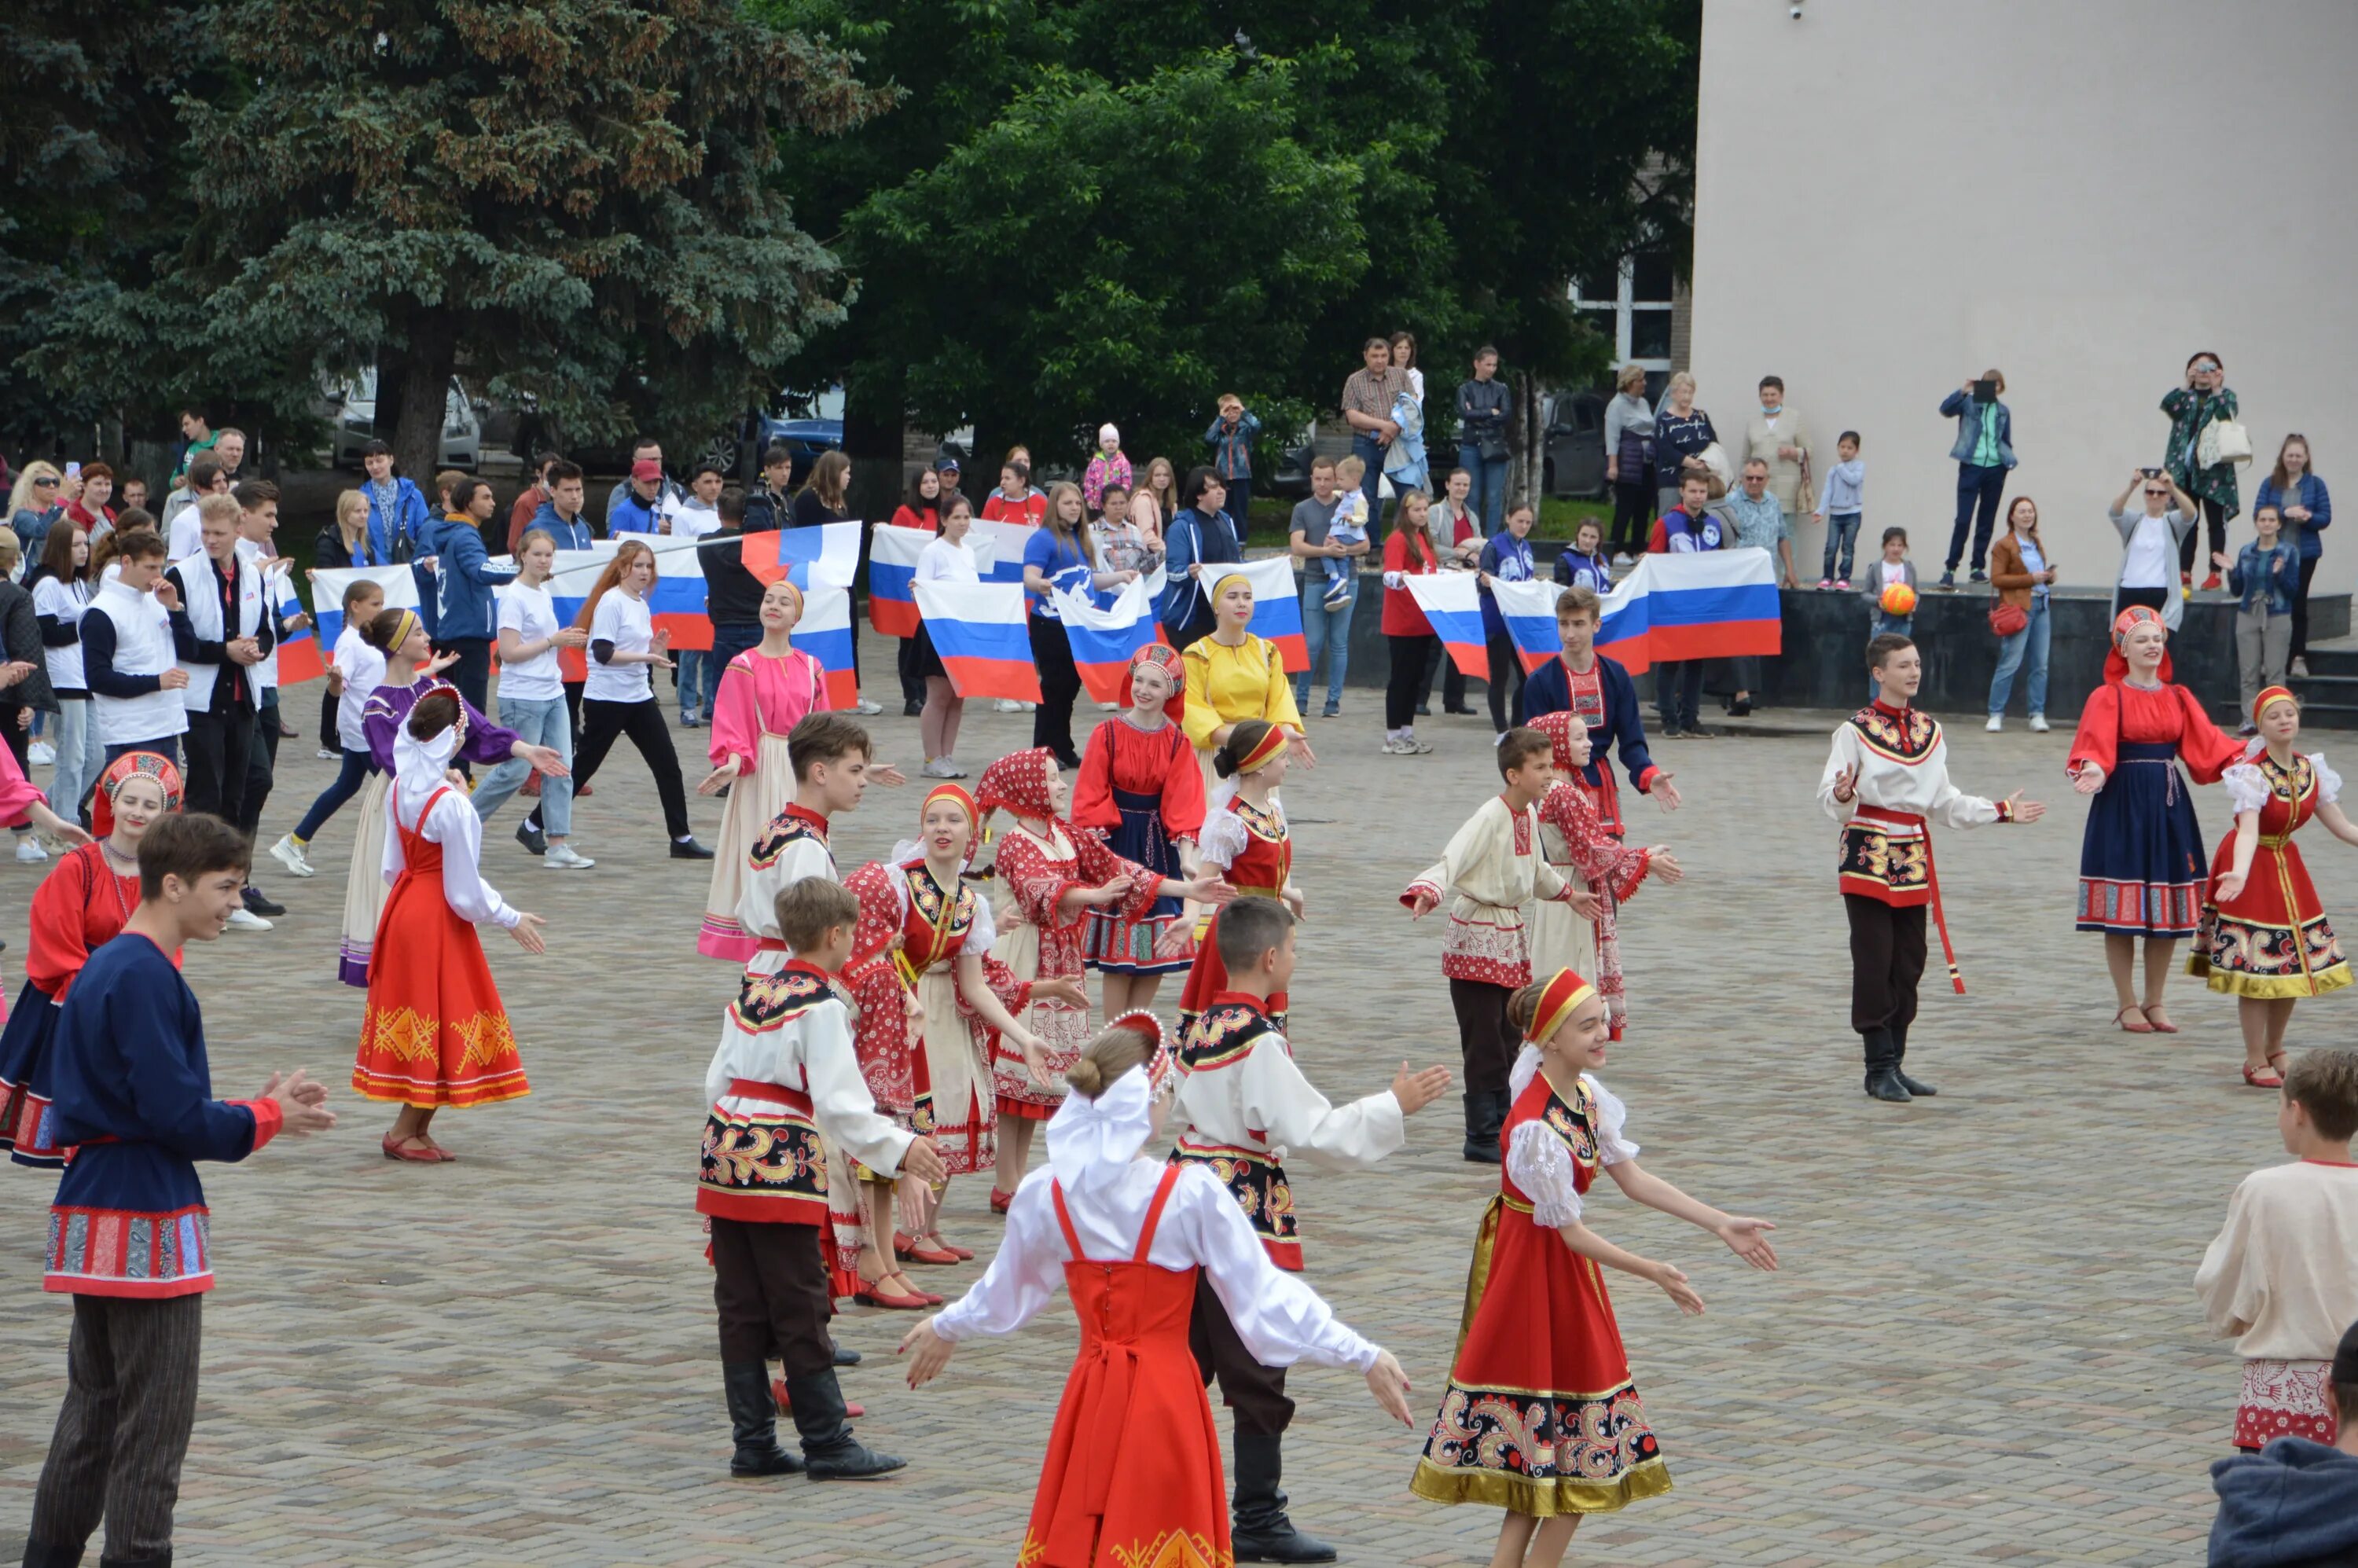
(1141, 791)
(435, 1033)
(1246, 843)
(1542, 1417)
(1133, 1475)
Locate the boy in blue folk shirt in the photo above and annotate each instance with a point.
(128, 1233)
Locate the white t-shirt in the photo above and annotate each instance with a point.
(1891, 572)
(67, 601)
(533, 615)
(2147, 562)
(690, 518)
(363, 672)
(941, 561)
(627, 624)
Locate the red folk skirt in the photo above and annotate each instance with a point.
(435, 1033)
(1132, 1476)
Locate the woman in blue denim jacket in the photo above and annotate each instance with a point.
(2265, 579)
(2301, 498)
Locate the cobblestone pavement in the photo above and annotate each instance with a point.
(1984, 1345)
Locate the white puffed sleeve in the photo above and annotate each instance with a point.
(2329, 782)
(982, 934)
(1612, 1146)
(2247, 787)
(1221, 839)
(1539, 1163)
(451, 822)
(1024, 1274)
(1281, 1319)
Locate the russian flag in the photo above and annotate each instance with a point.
(1004, 560)
(1715, 604)
(1452, 602)
(297, 652)
(824, 634)
(978, 629)
(1277, 607)
(676, 604)
(327, 584)
(891, 567)
(823, 557)
(1104, 638)
(1530, 611)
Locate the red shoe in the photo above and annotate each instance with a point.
(963, 1254)
(393, 1150)
(787, 1406)
(870, 1294)
(999, 1201)
(2210, 584)
(583, 793)
(903, 1244)
(924, 1253)
(2268, 1077)
(2160, 1025)
(2139, 1027)
(910, 1285)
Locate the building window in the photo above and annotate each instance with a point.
(1631, 307)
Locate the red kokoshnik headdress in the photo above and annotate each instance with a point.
(129, 766)
(2116, 663)
(1164, 654)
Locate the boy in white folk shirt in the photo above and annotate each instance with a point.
(1244, 1108)
(1885, 780)
(783, 1078)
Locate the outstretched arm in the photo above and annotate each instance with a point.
(1747, 1239)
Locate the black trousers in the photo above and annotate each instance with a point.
(2300, 609)
(1633, 504)
(2214, 522)
(1408, 675)
(769, 1287)
(1257, 1393)
(1484, 1039)
(1453, 679)
(2156, 598)
(261, 766)
(604, 722)
(1060, 684)
(122, 1431)
(329, 737)
(1886, 961)
(472, 673)
(1506, 665)
(220, 749)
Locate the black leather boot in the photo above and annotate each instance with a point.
(1486, 1112)
(1882, 1074)
(47, 1555)
(830, 1451)
(165, 1561)
(753, 1421)
(1900, 1064)
(1263, 1534)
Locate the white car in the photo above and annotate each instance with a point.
(352, 408)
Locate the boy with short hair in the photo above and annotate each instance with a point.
(2281, 1277)
(1595, 688)
(1349, 526)
(782, 1078)
(832, 754)
(1243, 1108)
(128, 659)
(1688, 527)
(1231, 439)
(1840, 503)
(129, 1234)
(220, 631)
(1494, 867)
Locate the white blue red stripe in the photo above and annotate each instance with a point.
(978, 629)
(1451, 602)
(1277, 607)
(1104, 638)
(1717, 604)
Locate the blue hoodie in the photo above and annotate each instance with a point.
(2292, 1505)
(573, 536)
(468, 605)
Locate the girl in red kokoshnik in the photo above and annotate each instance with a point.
(1540, 1416)
(1055, 876)
(1141, 790)
(2142, 861)
(2264, 934)
(1133, 1475)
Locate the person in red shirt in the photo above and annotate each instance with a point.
(1015, 501)
(90, 509)
(1408, 552)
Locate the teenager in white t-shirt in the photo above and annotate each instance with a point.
(2149, 571)
(947, 557)
(619, 699)
(532, 703)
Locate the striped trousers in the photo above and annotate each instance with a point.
(131, 1400)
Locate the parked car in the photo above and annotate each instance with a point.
(805, 424)
(1575, 445)
(351, 414)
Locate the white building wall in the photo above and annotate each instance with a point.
(1893, 194)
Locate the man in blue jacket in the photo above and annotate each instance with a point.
(1600, 691)
(469, 616)
(1984, 454)
(2294, 1503)
(560, 516)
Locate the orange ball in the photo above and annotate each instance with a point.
(1898, 599)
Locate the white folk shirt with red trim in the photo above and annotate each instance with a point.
(1494, 868)
(1902, 764)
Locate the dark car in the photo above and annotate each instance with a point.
(805, 424)
(1575, 445)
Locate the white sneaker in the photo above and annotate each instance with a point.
(41, 755)
(2039, 725)
(1009, 705)
(865, 706)
(1395, 746)
(28, 848)
(939, 768)
(325, 755)
(1621, 560)
(289, 854)
(562, 858)
(247, 920)
(1996, 722)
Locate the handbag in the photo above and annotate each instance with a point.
(1714, 458)
(2223, 441)
(2005, 619)
(1491, 446)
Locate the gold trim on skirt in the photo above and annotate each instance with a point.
(1540, 1499)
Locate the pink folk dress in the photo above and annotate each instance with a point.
(760, 699)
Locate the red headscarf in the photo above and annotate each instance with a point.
(1162, 653)
(1018, 782)
(126, 767)
(1559, 728)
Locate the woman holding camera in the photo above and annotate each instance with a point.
(2205, 399)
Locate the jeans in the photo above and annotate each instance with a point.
(1841, 537)
(603, 722)
(2026, 651)
(730, 638)
(348, 779)
(1326, 629)
(696, 681)
(472, 673)
(1370, 451)
(1979, 490)
(1489, 492)
(2300, 612)
(1239, 502)
(2263, 642)
(1678, 691)
(79, 757)
(2214, 522)
(537, 721)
